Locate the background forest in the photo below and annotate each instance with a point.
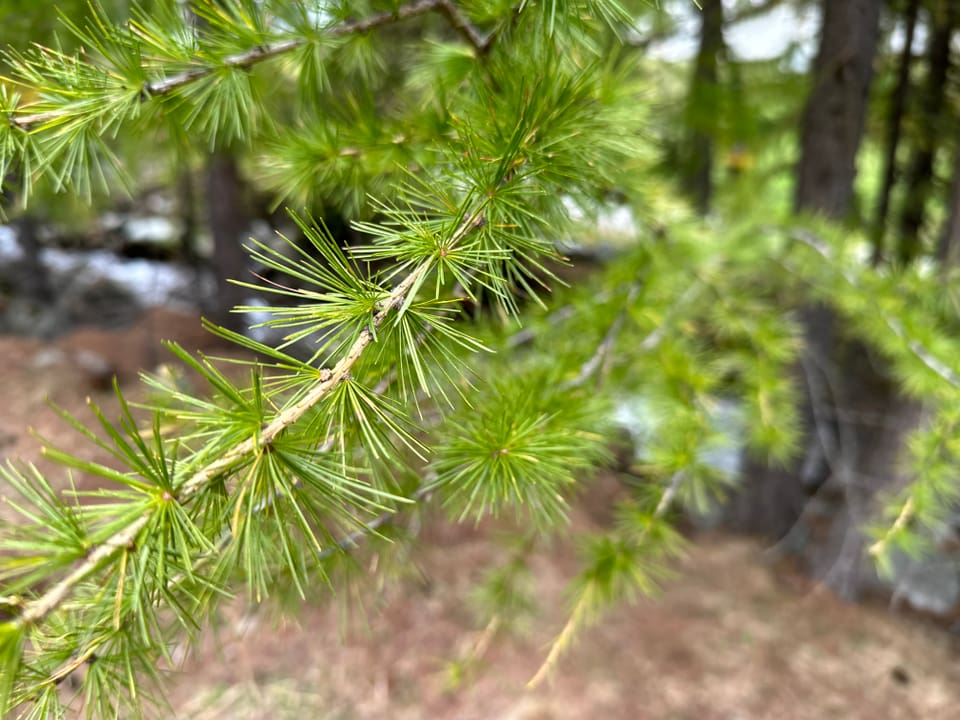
(517, 314)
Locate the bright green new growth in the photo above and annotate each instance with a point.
(458, 135)
(268, 481)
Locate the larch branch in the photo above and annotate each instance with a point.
(581, 609)
(249, 58)
(918, 349)
(35, 611)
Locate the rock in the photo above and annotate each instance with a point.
(9, 246)
(155, 237)
(95, 368)
(23, 316)
(97, 301)
(930, 583)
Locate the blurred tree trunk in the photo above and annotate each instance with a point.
(948, 250)
(837, 107)
(36, 285)
(703, 108)
(186, 193)
(898, 104)
(228, 223)
(847, 443)
(919, 176)
(228, 216)
(190, 208)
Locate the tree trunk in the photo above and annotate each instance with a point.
(772, 499)
(898, 104)
(853, 405)
(837, 107)
(228, 222)
(848, 391)
(703, 107)
(948, 250)
(919, 176)
(872, 419)
(36, 281)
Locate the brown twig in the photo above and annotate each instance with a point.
(605, 348)
(461, 23)
(249, 58)
(35, 611)
(581, 610)
(582, 607)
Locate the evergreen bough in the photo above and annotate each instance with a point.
(458, 135)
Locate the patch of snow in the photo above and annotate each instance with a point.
(62, 262)
(111, 221)
(151, 282)
(638, 416)
(154, 229)
(161, 203)
(9, 247)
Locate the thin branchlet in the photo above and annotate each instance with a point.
(582, 608)
(247, 59)
(521, 215)
(917, 348)
(35, 611)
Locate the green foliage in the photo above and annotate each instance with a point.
(522, 447)
(272, 480)
(460, 161)
(902, 314)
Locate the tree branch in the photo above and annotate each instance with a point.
(580, 611)
(603, 350)
(461, 23)
(606, 345)
(352, 540)
(903, 517)
(918, 349)
(36, 610)
(79, 659)
(249, 58)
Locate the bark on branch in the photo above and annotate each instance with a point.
(165, 86)
(37, 610)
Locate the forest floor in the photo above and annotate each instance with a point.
(732, 636)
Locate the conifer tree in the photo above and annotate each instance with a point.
(449, 365)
